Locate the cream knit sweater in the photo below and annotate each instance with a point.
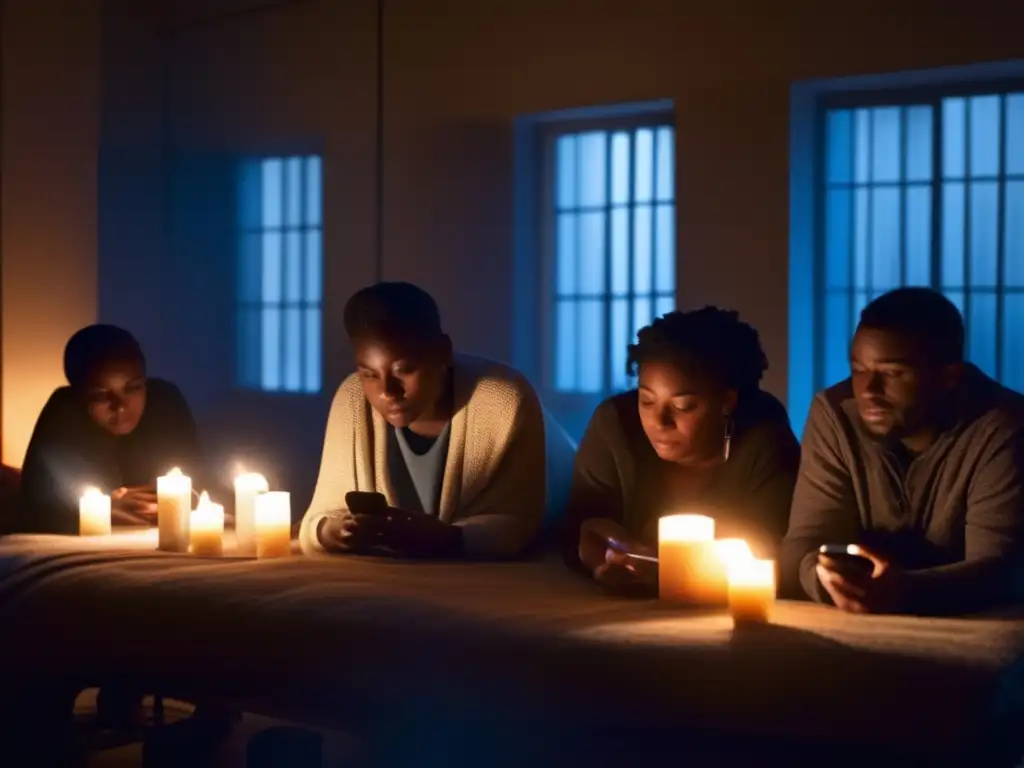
(494, 476)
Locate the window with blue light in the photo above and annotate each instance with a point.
(280, 275)
(612, 240)
(926, 193)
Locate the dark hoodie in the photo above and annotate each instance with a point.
(619, 476)
(69, 451)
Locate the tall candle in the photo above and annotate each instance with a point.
(247, 488)
(751, 590)
(94, 513)
(173, 506)
(689, 568)
(206, 528)
(273, 524)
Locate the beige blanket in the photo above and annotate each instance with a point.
(526, 648)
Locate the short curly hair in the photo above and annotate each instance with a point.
(709, 342)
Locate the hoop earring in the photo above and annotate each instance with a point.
(727, 441)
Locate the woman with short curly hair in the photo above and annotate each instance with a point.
(697, 434)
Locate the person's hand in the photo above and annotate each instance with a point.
(881, 590)
(404, 533)
(135, 505)
(626, 574)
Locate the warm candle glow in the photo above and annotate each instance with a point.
(273, 524)
(751, 589)
(247, 487)
(733, 552)
(206, 528)
(94, 513)
(173, 507)
(689, 569)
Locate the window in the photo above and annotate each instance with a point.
(925, 191)
(280, 275)
(610, 214)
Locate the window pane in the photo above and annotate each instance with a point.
(313, 207)
(1015, 133)
(273, 202)
(919, 143)
(620, 168)
(270, 357)
(952, 235)
(250, 195)
(664, 305)
(862, 146)
(249, 268)
(591, 345)
(565, 346)
(860, 300)
(981, 326)
(985, 116)
(839, 140)
(592, 157)
(838, 332)
(293, 192)
(885, 144)
(838, 218)
(643, 313)
(1013, 349)
(314, 266)
(665, 246)
(957, 297)
(293, 266)
(293, 349)
(272, 266)
(1013, 242)
(565, 171)
(984, 239)
(565, 255)
(919, 235)
(643, 183)
(592, 254)
(313, 351)
(620, 251)
(666, 169)
(860, 238)
(642, 256)
(954, 141)
(621, 337)
(885, 239)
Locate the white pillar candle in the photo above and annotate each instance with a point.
(689, 569)
(247, 488)
(751, 590)
(733, 552)
(173, 506)
(273, 524)
(94, 513)
(206, 528)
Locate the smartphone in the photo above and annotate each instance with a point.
(366, 503)
(846, 555)
(622, 549)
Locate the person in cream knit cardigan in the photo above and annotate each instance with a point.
(454, 443)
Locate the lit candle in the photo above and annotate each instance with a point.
(273, 524)
(733, 552)
(94, 513)
(206, 528)
(247, 488)
(751, 590)
(689, 568)
(173, 506)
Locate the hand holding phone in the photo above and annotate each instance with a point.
(366, 503)
(845, 558)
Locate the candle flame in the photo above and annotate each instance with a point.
(251, 480)
(91, 492)
(733, 553)
(686, 528)
(174, 473)
(204, 499)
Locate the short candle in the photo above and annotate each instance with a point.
(751, 590)
(206, 528)
(247, 488)
(273, 524)
(94, 513)
(173, 506)
(689, 569)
